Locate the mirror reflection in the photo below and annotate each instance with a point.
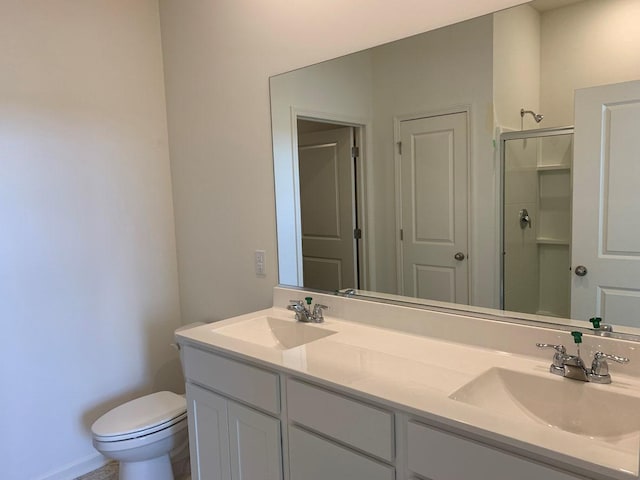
(536, 221)
(436, 167)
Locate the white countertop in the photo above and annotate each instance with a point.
(417, 374)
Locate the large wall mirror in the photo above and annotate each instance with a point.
(445, 167)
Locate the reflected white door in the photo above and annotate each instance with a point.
(434, 193)
(327, 209)
(606, 204)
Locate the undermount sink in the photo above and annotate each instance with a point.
(274, 332)
(568, 405)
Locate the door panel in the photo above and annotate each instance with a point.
(433, 182)
(208, 434)
(322, 273)
(433, 204)
(255, 445)
(606, 230)
(439, 282)
(327, 209)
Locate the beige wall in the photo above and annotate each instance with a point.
(218, 57)
(587, 44)
(88, 274)
(516, 68)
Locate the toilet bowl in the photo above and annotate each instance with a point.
(142, 433)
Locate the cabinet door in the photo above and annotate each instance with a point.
(254, 444)
(208, 434)
(314, 458)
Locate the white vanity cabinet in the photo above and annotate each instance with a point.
(229, 440)
(249, 423)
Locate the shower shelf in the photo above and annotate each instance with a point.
(546, 168)
(551, 241)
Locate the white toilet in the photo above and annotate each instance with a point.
(141, 434)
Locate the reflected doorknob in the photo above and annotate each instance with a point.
(581, 270)
(459, 256)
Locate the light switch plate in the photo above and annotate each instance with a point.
(259, 260)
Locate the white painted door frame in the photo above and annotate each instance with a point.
(328, 206)
(367, 244)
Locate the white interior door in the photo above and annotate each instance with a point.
(434, 196)
(606, 204)
(327, 209)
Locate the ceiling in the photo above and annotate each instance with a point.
(544, 5)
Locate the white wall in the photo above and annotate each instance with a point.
(516, 69)
(590, 43)
(88, 276)
(218, 56)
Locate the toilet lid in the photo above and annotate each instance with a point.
(140, 414)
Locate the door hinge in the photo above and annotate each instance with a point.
(357, 233)
(355, 152)
(401, 234)
(400, 148)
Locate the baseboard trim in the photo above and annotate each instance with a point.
(78, 468)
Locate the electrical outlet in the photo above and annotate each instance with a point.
(259, 260)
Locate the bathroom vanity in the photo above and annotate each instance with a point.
(388, 392)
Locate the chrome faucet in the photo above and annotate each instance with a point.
(304, 314)
(572, 366)
(600, 367)
(602, 329)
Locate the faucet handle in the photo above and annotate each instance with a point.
(317, 312)
(600, 367)
(557, 367)
(608, 356)
(561, 349)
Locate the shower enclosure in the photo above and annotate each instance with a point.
(536, 220)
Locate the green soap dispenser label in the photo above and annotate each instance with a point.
(577, 337)
(596, 321)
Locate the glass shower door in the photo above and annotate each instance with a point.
(536, 223)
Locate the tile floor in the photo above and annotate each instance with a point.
(110, 472)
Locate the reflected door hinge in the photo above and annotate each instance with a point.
(401, 234)
(357, 233)
(355, 152)
(400, 148)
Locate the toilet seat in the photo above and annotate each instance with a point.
(140, 417)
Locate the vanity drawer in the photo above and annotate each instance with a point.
(362, 426)
(314, 458)
(438, 455)
(238, 380)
